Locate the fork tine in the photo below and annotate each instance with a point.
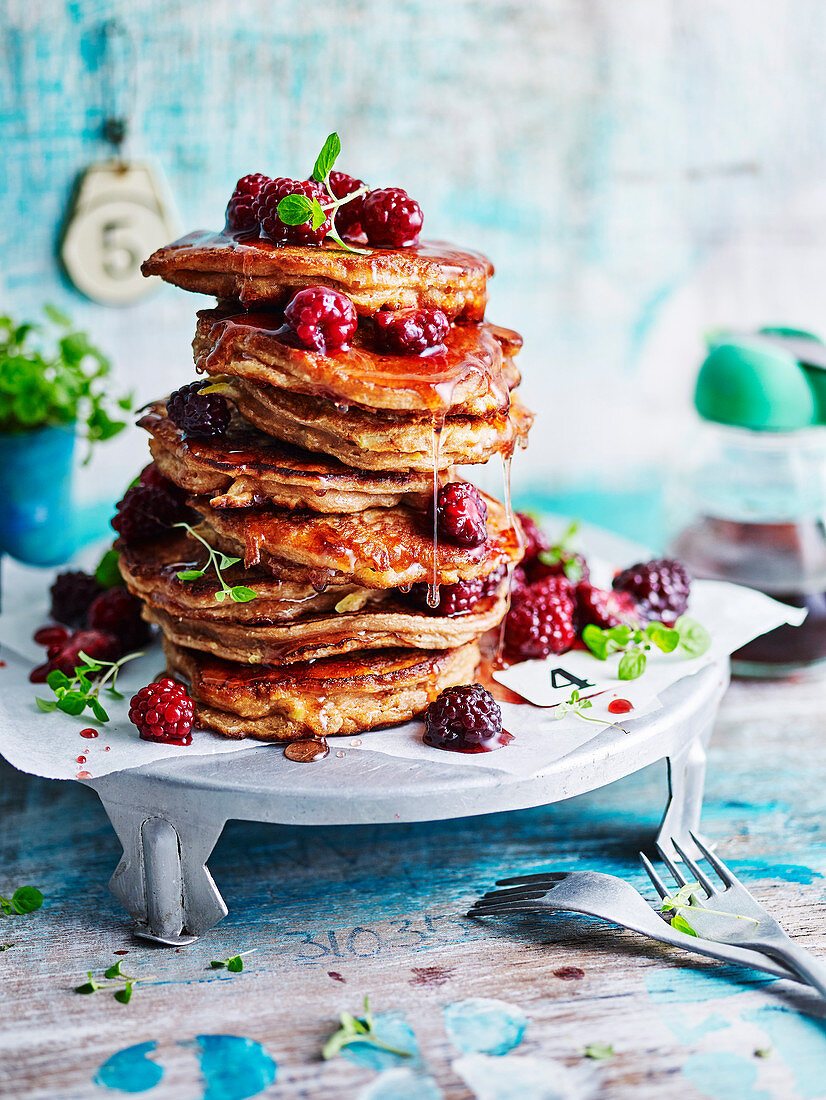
(718, 865)
(524, 880)
(505, 907)
(513, 893)
(700, 875)
(659, 885)
(676, 873)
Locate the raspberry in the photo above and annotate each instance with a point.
(568, 564)
(146, 512)
(66, 657)
(462, 514)
(410, 331)
(460, 598)
(163, 712)
(118, 612)
(541, 619)
(660, 587)
(348, 217)
(390, 218)
(201, 415)
(321, 319)
(535, 538)
(519, 581)
(604, 609)
(265, 208)
(240, 215)
(464, 719)
(72, 593)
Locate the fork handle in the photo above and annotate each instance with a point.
(811, 969)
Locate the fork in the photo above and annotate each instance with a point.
(612, 899)
(731, 915)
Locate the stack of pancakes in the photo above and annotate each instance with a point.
(322, 487)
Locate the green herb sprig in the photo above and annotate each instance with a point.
(218, 560)
(599, 1051)
(575, 705)
(686, 898)
(75, 693)
(562, 552)
(25, 899)
(358, 1030)
(235, 964)
(688, 637)
(52, 374)
(299, 210)
(121, 984)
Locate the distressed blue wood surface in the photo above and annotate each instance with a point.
(335, 913)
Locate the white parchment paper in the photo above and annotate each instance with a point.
(50, 744)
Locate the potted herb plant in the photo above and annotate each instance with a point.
(53, 389)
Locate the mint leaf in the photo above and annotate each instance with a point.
(695, 640)
(240, 594)
(679, 922)
(318, 215)
(72, 703)
(26, 899)
(596, 640)
(327, 158)
(632, 665)
(57, 679)
(295, 209)
(663, 637)
(190, 574)
(46, 704)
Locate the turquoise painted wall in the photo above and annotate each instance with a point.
(637, 171)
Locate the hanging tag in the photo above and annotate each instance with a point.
(119, 216)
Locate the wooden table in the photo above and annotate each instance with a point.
(334, 914)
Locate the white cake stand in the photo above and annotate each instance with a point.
(169, 815)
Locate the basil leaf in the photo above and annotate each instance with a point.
(632, 665)
(295, 209)
(220, 596)
(327, 157)
(87, 987)
(695, 640)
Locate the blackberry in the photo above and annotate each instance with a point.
(72, 593)
(147, 512)
(541, 620)
(660, 588)
(604, 609)
(464, 719)
(321, 319)
(201, 415)
(118, 612)
(410, 331)
(462, 514)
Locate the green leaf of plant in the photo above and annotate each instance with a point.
(240, 594)
(318, 215)
(217, 964)
(221, 596)
(87, 987)
(620, 635)
(190, 574)
(124, 995)
(72, 703)
(46, 704)
(57, 679)
(679, 922)
(56, 315)
(632, 665)
(695, 640)
(663, 637)
(235, 964)
(327, 157)
(98, 710)
(295, 209)
(114, 971)
(596, 640)
(107, 573)
(599, 1051)
(26, 899)
(224, 561)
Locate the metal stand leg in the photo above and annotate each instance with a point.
(162, 879)
(686, 782)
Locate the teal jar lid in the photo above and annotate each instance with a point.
(752, 384)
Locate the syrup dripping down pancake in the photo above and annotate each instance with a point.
(376, 548)
(335, 695)
(432, 275)
(465, 377)
(246, 468)
(372, 441)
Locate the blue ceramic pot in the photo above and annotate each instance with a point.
(36, 494)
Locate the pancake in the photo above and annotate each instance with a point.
(389, 623)
(466, 377)
(377, 548)
(246, 468)
(432, 275)
(336, 695)
(371, 441)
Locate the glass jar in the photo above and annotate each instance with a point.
(750, 508)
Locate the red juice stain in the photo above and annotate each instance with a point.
(51, 635)
(2, 664)
(81, 760)
(89, 733)
(334, 974)
(120, 952)
(105, 748)
(620, 706)
(570, 973)
(83, 775)
(498, 742)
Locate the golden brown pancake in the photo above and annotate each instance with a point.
(336, 695)
(377, 548)
(374, 441)
(466, 376)
(432, 275)
(246, 468)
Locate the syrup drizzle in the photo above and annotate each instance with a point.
(438, 424)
